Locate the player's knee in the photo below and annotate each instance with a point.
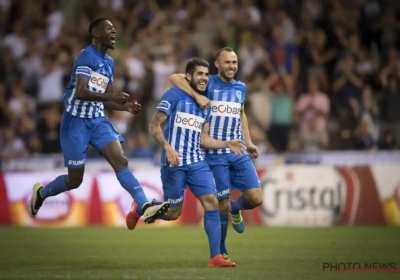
(256, 201)
(254, 197)
(174, 213)
(73, 182)
(209, 202)
(224, 206)
(121, 162)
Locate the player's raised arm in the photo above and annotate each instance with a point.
(156, 130)
(208, 142)
(180, 81)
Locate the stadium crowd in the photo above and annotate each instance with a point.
(320, 74)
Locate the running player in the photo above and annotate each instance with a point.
(88, 93)
(181, 126)
(228, 121)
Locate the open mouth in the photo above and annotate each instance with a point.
(113, 37)
(202, 84)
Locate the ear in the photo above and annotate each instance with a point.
(216, 63)
(96, 34)
(189, 77)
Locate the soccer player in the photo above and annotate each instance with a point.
(228, 121)
(181, 127)
(88, 93)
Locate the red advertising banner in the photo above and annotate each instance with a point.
(293, 195)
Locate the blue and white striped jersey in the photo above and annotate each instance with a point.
(227, 101)
(99, 70)
(183, 127)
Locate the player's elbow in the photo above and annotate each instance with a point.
(175, 78)
(153, 129)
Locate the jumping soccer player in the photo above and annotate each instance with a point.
(181, 127)
(228, 121)
(88, 93)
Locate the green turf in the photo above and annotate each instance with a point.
(182, 253)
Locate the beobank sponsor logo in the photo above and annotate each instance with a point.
(189, 121)
(304, 196)
(54, 208)
(98, 81)
(225, 109)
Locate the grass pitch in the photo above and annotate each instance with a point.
(182, 253)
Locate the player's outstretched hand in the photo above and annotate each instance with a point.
(134, 107)
(120, 98)
(203, 102)
(237, 146)
(253, 151)
(173, 157)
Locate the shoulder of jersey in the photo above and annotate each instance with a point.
(240, 83)
(109, 58)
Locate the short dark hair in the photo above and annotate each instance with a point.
(226, 49)
(193, 63)
(93, 25)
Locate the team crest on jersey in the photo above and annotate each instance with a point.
(239, 94)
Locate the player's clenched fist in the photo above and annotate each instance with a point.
(237, 146)
(133, 107)
(121, 98)
(173, 157)
(203, 102)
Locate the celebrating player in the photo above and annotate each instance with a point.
(88, 93)
(228, 121)
(181, 127)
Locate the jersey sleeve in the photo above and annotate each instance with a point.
(208, 115)
(168, 102)
(83, 65)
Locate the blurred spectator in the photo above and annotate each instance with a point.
(48, 129)
(282, 106)
(20, 103)
(391, 101)
(313, 106)
(11, 147)
(26, 130)
(363, 139)
(51, 82)
(388, 141)
(314, 139)
(283, 54)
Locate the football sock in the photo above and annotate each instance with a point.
(212, 226)
(57, 186)
(132, 186)
(240, 204)
(224, 231)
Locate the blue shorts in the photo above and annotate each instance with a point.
(197, 176)
(232, 171)
(77, 133)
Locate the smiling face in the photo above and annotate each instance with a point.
(199, 80)
(106, 34)
(227, 64)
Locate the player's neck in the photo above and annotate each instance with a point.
(228, 81)
(100, 48)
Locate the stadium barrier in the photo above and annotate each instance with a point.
(310, 193)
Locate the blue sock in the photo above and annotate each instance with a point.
(224, 231)
(132, 186)
(57, 186)
(212, 226)
(240, 204)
